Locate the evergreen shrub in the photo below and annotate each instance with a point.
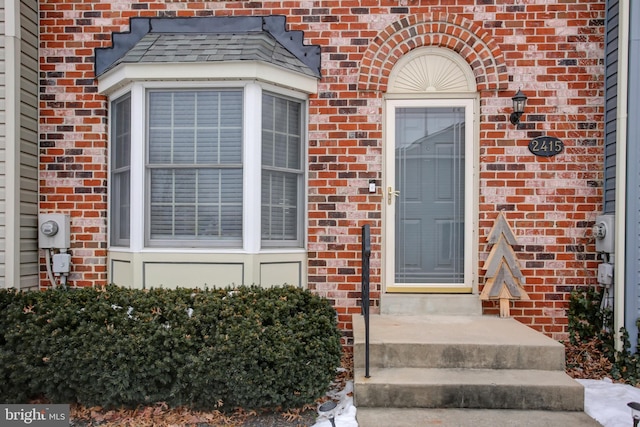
(246, 347)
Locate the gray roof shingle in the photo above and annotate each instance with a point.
(174, 41)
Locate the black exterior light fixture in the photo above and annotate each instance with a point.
(519, 100)
(635, 412)
(329, 409)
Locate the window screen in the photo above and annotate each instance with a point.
(120, 170)
(282, 172)
(195, 165)
(430, 177)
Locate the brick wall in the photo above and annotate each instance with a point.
(554, 52)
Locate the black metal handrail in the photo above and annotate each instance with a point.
(366, 255)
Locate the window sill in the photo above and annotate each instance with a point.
(208, 250)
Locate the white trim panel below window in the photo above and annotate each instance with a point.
(192, 269)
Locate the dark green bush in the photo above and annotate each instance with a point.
(248, 347)
(587, 319)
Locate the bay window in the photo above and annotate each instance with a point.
(207, 150)
(207, 167)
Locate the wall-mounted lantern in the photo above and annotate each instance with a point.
(519, 101)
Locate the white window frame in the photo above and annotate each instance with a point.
(252, 118)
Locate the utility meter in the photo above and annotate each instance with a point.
(49, 228)
(53, 231)
(604, 233)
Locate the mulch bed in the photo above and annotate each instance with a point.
(584, 360)
(161, 416)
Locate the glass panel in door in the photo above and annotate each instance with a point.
(429, 196)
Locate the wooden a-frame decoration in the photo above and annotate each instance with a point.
(503, 276)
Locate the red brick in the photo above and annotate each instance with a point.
(562, 94)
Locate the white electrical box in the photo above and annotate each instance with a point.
(61, 263)
(53, 231)
(604, 233)
(605, 273)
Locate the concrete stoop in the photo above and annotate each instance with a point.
(460, 363)
(419, 417)
(468, 388)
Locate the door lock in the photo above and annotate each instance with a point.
(390, 194)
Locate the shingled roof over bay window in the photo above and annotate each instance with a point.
(209, 45)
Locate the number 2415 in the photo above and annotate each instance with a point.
(553, 146)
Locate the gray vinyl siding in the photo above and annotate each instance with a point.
(22, 150)
(611, 104)
(632, 273)
(29, 145)
(612, 111)
(3, 141)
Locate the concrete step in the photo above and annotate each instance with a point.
(473, 342)
(468, 388)
(478, 362)
(413, 417)
(430, 304)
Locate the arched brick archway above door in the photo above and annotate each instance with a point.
(466, 38)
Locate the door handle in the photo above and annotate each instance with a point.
(390, 194)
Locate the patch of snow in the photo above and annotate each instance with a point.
(606, 402)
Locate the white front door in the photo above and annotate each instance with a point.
(429, 158)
